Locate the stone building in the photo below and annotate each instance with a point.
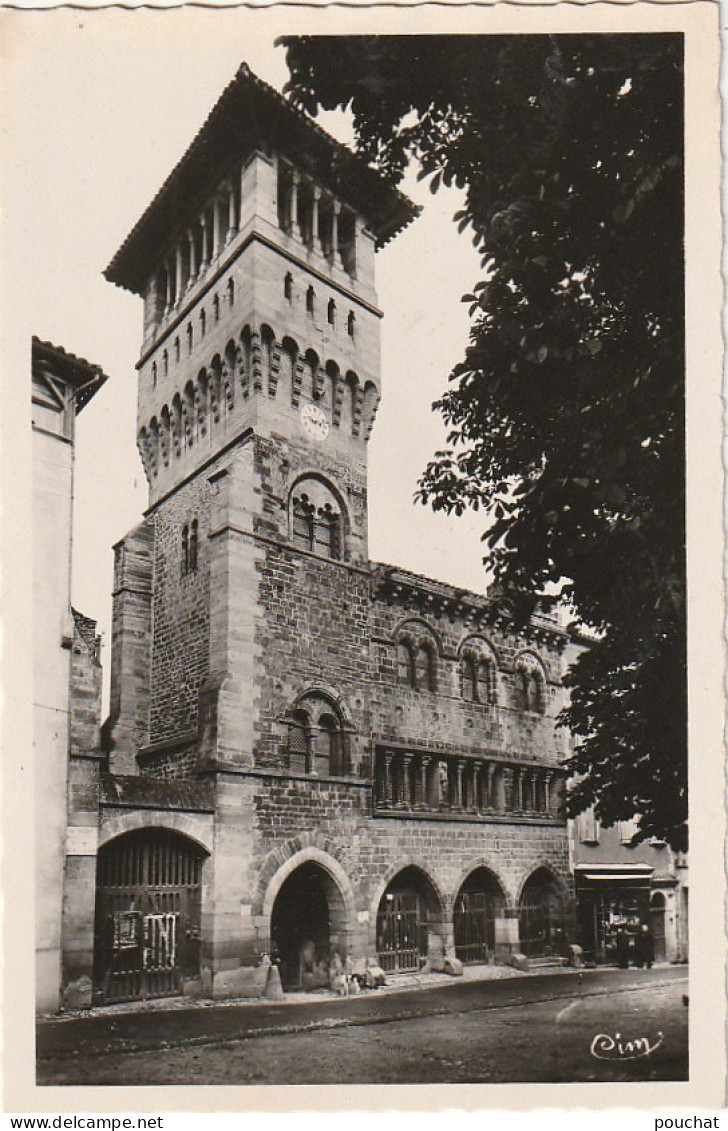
(308, 752)
(62, 385)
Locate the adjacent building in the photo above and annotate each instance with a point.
(62, 385)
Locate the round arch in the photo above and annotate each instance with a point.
(480, 900)
(541, 913)
(196, 829)
(308, 905)
(408, 920)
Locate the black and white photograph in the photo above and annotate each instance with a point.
(367, 364)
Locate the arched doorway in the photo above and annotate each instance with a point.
(307, 927)
(408, 921)
(657, 925)
(147, 932)
(540, 915)
(479, 903)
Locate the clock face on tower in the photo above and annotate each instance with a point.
(314, 422)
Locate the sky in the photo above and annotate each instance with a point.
(110, 102)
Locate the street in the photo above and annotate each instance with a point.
(609, 1026)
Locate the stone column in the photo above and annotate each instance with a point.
(205, 243)
(315, 239)
(407, 780)
(178, 273)
(422, 766)
(293, 205)
(458, 799)
(387, 782)
(193, 258)
(216, 229)
(335, 210)
(232, 226)
(477, 785)
(168, 302)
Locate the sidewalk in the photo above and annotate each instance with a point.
(171, 1023)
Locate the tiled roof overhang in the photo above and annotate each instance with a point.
(83, 375)
(251, 115)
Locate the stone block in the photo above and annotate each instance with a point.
(78, 994)
(518, 961)
(243, 981)
(453, 966)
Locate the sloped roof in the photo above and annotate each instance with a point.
(84, 375)
(251, 114)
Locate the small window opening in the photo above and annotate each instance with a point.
(216, 308)
(288, 286)
(176, 350)
(310, 300)
(190, 337)
(203, 323)
(350, 323)
(154, 374)
(332, 312)
(231, 292)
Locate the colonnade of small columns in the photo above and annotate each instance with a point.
(315, 217)
(408, 781)
(197, 248)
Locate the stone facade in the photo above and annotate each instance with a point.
(346, 757)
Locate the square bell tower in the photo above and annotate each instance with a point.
(259, 380)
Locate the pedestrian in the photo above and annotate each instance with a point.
(622, 948)
(646, 947)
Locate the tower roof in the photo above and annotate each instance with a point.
(251, 114)
(85, 377)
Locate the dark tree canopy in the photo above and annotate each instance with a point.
(566, 415)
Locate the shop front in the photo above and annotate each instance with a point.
(611, 900)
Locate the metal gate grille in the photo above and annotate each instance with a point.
(147, 916)
(401, 936)
(474, 924)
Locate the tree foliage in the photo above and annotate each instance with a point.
(566, 415)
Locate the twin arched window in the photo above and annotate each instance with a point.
(477, 677)
(315, 518)
(530, 685)
(317, 742)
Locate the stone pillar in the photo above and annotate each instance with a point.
(216, 229)
(205, 243)
(516, 799)
(488, 799)
(193, 258)
(293, 205)
(169, 298)
(422, 765)
(507, 940)
(407, 780)
(315, 240)
(178, 283)
(387, 781)
(232, 226)
(335, 210)
(477, 786)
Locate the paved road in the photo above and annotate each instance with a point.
(539, 1028)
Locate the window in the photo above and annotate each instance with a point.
(185, 550)
(317, 741)
(288, 286)
(165, 363)
(216, 309)
(530, 685)
(176, 350)
(315, 517)
(190, 338)
(332, 312)
(189, 548)
(231, 292)
(203, 323)
(154, 374)
(350, 324)
(588, 827)
(310, 301)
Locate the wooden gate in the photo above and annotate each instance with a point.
(147, 939)
(474, 925)
(401, 935)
